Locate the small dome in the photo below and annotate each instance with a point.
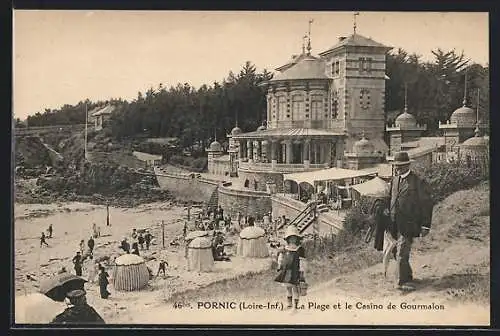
(405, 119)
(129, 259)
(261, 128)
(201, 243)
(236, 130)
(363, 146)
(215, 146)
(464, 116)
(475, 142)
(252, 232)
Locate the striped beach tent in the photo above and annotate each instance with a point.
(200, 257)
(253, 243)
(130, 273)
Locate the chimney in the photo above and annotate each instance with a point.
(342, 38)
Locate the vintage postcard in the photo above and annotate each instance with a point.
(283, 168)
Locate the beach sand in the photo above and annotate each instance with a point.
(72, 222)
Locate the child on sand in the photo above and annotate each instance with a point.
(291, 266)
(42, 240)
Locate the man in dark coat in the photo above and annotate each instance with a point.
(125, 246)
(91, 244)
(140, 240)
(411, 212)
(77, 262)
(147, 238)
(79, 312)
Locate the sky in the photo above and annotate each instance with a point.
(63, 57)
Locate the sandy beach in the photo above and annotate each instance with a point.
(72, 222)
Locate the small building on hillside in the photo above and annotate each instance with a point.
(100, 115)
(151, 160)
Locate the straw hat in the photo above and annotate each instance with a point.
(292, 231)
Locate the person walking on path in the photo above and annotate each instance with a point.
(292, 266)
(103, 282)
(91, 244)
(147, 238)
(50, 230)
(162, 267)
(77, 262)
(43, 240)
(78, 311)
(411, 212)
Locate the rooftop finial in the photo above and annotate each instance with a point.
(363, 134)
(354, 26)
(215, 134)
(236, 123)
(464, 102)
(406, 98)
(304, 44)
(309, 38)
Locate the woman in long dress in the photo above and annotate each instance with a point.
(103, 283)
(292, 266)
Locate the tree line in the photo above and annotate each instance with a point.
(198, 115)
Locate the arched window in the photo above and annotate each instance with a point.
(247, 183)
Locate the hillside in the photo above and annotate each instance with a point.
(451, 266)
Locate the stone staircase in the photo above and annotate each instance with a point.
(213, 202)
(304, 219)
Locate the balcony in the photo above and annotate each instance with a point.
(281, 167)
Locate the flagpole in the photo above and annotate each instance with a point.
(86, 122)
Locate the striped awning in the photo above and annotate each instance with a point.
(288, 133)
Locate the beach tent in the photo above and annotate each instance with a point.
(36, 308)
(376, 187)
(200, 257)
(253, 243)
(130, 273)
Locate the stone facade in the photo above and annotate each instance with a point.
(186, 187)
(263, 179)
(252, 203)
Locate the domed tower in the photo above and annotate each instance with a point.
(214, 151)
(363, 155)
(405, 129)
(475, 149)
(460, 126)
(234, 149)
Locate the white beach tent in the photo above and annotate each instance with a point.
(36, 308)
(130, 273)
(200, 257)
(374, 187)
(253, 243)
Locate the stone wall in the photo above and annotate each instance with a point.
(251, 203)
(185, 187)
(262, 178)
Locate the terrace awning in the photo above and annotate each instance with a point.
(331, 174)
(373, 187)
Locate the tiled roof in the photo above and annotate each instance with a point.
(108, 109)
(287, 132)
(356, 40)
(308, 67)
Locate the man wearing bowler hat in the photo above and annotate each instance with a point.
(411, 213)
(78, 310)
